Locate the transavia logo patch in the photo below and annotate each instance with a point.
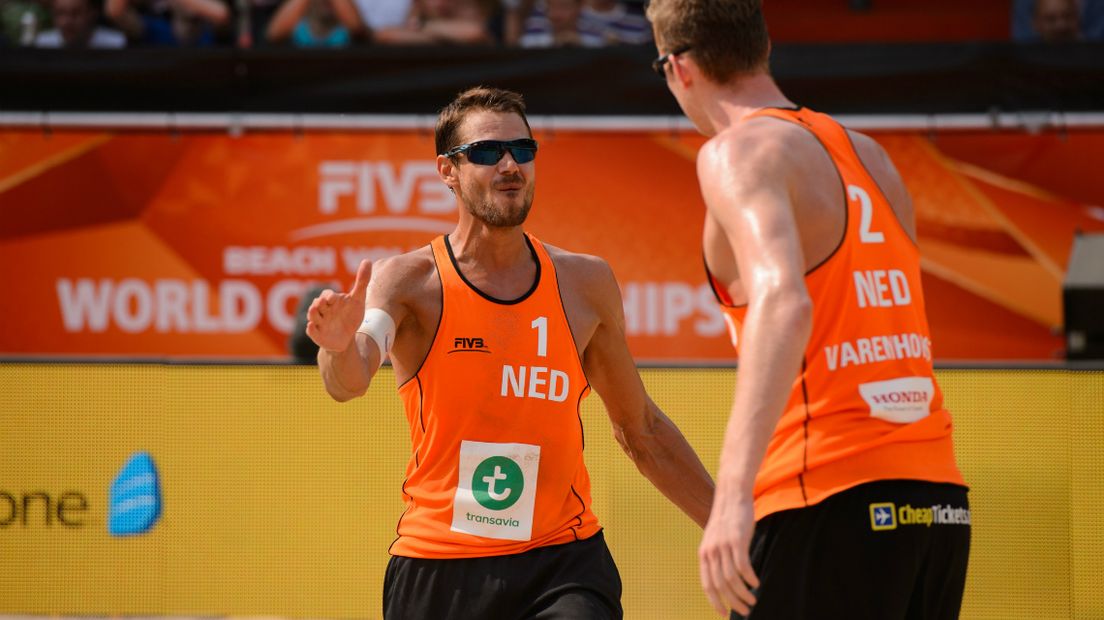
(135, 500)
(496, 490)
(497, 483)
(883, 516)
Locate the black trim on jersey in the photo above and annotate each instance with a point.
(579, 415)
(405, 510)
(440, 317)
(582, 447)
(578, 517)
(843, 186)
(563, 308)
(421, 403)
(504, 302)
(805, 425)
(846, 208)
(915, 242)
(713, 282)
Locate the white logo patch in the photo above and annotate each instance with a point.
(900, 401)
(497, 490)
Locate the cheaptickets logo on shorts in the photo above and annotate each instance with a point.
(887, 515)
(497, 490)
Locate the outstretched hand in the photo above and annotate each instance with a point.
(724, 558)
(333, 318)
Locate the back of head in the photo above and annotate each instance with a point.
(727, 37)
(480, 98)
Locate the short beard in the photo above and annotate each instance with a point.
(484, 211)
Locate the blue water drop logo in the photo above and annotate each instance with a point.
(135, 501)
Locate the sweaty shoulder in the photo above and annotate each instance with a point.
(582, 272)
(756, 149)
(589, 292)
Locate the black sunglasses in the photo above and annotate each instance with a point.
(490, 152)
(658, 63)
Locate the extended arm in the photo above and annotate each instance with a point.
(347, 359)
(745, 183)
(649, 438)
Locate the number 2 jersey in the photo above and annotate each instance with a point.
(497, 464)
(865, 405)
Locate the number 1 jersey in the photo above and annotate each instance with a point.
(497, 463)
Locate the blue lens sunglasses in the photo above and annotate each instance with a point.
(490, 152)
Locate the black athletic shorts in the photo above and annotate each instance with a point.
(887, 550)
(576, 580)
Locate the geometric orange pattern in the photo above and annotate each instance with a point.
(147, 244)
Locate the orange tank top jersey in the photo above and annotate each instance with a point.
(866, 405)
(497, 464)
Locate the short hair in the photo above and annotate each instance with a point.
(475, 99)
(726, 37)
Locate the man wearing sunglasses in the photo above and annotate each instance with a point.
(495, 338)
(837, 435)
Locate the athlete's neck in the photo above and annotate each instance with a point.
(492, 249)
(725, 105)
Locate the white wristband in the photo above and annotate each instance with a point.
(380, 327)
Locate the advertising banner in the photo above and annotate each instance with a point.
(199, 245)
(214, 491)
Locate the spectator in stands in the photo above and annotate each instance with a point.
(618, 24)
(177, 23)
(75, 28)
(586, 23)
(1057, 21)
(317, 23)
(560, 23)
(21, 21)
(383, 14)
(442, 21)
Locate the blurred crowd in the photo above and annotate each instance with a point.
(321, 23)
(342, 23)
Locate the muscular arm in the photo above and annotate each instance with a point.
(745, 181)
(745, 186)
(348, 373)
(649, 438)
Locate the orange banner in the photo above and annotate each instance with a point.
(200, 245)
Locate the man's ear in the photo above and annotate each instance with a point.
(680, 65)
(448, 172)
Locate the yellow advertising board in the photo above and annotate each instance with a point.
(245, 491)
